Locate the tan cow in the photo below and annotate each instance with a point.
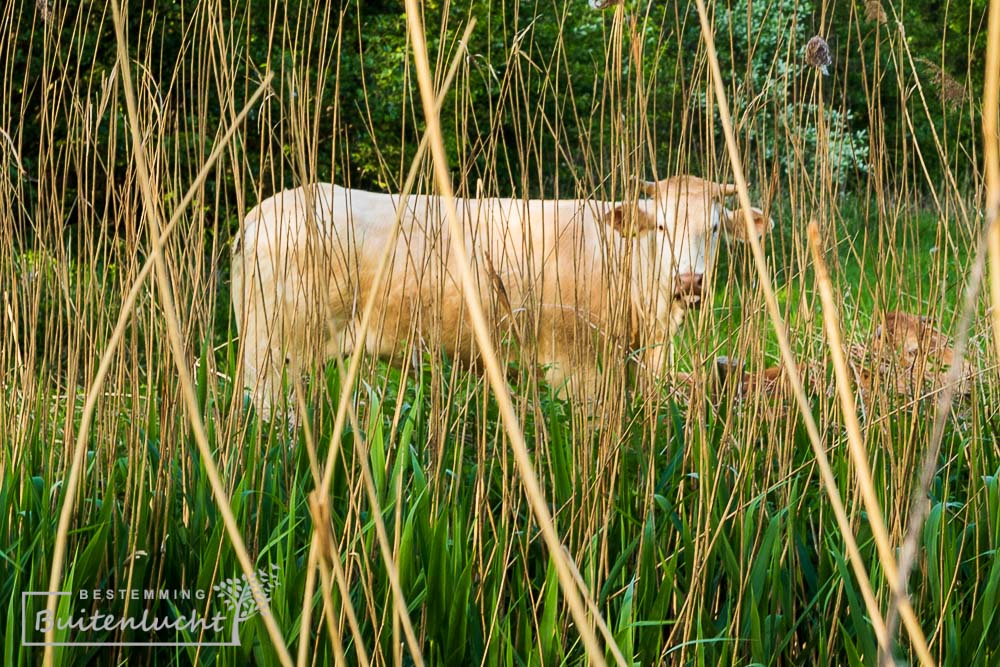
(906, 356)
(911, 357)
(576, 272)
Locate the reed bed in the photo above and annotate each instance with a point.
(436, 512)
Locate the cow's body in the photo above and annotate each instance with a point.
(304, 265)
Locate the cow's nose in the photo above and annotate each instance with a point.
(690, 279)
(689, 287)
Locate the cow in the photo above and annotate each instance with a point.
(566, 275)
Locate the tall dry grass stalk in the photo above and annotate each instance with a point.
(859, 456)
(151, 201)
(991, 107)
(483, 339)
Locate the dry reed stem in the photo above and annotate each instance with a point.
(533, 491)
(177, 350)
(76, 471)
(856, 446)
(787, 357)
(172, 321)
(305, 629)
(344, 406)
(991, 107)
(340, 577)
(919, 507)
(942, 154)
(994, 250)
(316, 560)
(327, 559)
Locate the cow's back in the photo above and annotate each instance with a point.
(547, 257)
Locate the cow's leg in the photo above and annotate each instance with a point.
(255, 307)
(262, 375)
(659, 358)
(553, 340)
(557, 374)
(263, 359)
(569, 373)
(286, 328)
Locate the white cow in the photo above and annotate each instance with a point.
(570, 273)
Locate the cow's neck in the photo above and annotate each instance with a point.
(651, 295)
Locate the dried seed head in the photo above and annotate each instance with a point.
(818, 54)
(44, 10)
(952, 91)
(874, 11)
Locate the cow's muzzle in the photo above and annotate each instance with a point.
(688, 287)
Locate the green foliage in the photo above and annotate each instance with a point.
(369, 117)
(768, 587)
(775, 93)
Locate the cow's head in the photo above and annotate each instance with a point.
(677, 225)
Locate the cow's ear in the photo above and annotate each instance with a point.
(737, 228)
(648, 188)
(629, 220)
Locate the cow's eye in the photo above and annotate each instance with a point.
(662, 228)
